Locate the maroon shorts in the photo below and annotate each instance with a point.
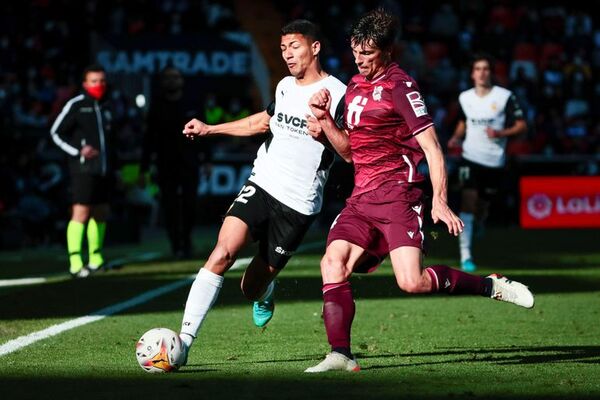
(380, 221)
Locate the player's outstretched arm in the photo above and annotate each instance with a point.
(249, 126)
(320, 104)
(439, 181)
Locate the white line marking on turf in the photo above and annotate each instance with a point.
(61, 277)
(241, 263)
(23, 341)
(21, 281)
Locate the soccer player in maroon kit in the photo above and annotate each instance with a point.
(388, 133)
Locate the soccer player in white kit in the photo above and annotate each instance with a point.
(285, 190)
(489, 114)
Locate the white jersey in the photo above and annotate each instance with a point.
(497, 109)
(292, 166)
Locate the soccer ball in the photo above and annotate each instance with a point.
(159, 350)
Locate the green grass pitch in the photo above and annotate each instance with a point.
(425, 347)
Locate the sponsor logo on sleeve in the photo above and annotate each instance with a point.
(417, 103)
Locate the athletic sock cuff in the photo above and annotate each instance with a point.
(210, 277)
(435, 282)
(332, 286)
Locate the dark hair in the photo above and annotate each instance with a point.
(376, 27)
(92, 68)
(303, 27)
(167, 68)
(481, 56)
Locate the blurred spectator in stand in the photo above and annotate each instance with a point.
(236, 110)
(412, 58)
(578, 75)
(213, 112)
(177, 159)
(445, 23)
(577, 123)
(524, 87)
(578, 29)
(553, 80)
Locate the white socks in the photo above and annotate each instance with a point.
(202, 296)
(466, 236)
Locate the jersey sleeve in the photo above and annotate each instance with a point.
(461, 113)
(62, 130)
(409, 104)
(338, 117)
(513, 110)
(271, 108)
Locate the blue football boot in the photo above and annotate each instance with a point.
(262, 311)
(468, 266)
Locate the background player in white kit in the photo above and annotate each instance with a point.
(285, 189)
(489, 114)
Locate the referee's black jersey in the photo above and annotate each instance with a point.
(85, 121)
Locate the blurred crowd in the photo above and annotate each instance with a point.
(548, 53)
(44, 47)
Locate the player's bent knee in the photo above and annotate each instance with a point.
(220, 259)
(333, 269)
(411, 286)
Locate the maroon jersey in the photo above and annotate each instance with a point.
(382, 117)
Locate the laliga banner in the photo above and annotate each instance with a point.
(560, 202)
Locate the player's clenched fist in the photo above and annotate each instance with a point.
(195, 128)
(319, 103)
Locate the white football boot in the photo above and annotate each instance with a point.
(511, 291)
(335, 361)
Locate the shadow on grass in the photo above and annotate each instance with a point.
(76, 298)
(374, 382)
(514, 355)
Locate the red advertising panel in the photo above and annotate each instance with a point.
(560, 202)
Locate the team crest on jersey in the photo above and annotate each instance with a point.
(377, 93)
(494, 106)
(417, 103)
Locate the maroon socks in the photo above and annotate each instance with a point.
(338, 313)
(454, 281)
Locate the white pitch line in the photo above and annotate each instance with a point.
(22, 281)
(23, 341)
(241, 263)
(65, 276)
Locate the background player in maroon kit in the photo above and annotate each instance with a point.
(389, 131)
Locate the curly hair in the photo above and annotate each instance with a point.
(376, 27)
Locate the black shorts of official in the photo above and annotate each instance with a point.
(278, 228)
(485, 180)
(90, 189)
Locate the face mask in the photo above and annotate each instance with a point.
(97, 92)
